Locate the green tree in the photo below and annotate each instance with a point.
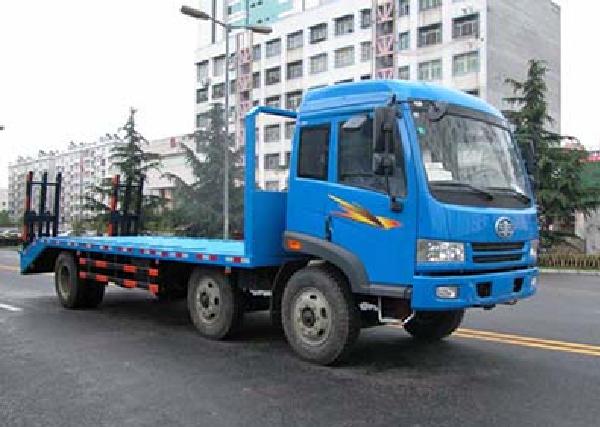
(198, 206)
(559, 187)
(5, 220)
(132, 163)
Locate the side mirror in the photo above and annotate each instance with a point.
(384, 125)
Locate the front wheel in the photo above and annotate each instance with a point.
(320, 317)
(434, 325)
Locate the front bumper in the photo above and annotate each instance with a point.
(504, 287)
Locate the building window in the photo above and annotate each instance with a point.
(201, 71)
(474, 92)
(343, 81)
(344, 57)
(272, 161)
(218, 66)
(314, 152)
(202, 120)
(466, 26)
(273, 101)
(365, 77)
(318, 33)
(232, 86)
(256, 80)
(256, 52)
(430, 35)
(289, 129)
(404, 41)
(344, 25)
(429, 4)
(273, 48)
(465, 63)
(404, 8)
(272, 133)
(218, 91)
(273, 76)
(318, 63)
(404, 72)
(295, 40)
(366, 51)
(293, 100)
(294, 70)
(430, 70)
(365, 18)
(201, 95)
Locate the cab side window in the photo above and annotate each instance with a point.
(355, 159)
(313, 156)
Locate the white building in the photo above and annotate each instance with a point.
(473, 45)
(3, 199)
(85, 165)
(81, 165)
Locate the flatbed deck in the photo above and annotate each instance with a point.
(182, 249)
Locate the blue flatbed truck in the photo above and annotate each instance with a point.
(407, 202)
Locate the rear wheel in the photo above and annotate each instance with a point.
(71, 290)
(320, 318)
(434, 325)
(214, 304)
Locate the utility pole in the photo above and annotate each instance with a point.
(198, 14)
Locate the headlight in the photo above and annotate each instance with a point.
(533, 249)
(437, 251)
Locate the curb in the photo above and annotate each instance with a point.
(561, 271)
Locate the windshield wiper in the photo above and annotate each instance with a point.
(480, 191)
(517, 194)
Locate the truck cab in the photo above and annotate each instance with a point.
(416, 192)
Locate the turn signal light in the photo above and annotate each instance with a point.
(294, 245)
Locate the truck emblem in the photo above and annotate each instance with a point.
(504, 227)
(357, 213)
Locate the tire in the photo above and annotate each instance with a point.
(214, 304)
(434, 325)
(73, 292)
(320, 318)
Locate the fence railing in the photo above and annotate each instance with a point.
(570, 261)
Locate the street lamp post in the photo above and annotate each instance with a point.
(198, 14)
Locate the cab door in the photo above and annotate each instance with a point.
(361, 215)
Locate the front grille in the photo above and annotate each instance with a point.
(497, 247)
(483, 259)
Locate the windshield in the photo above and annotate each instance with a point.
(466, 154)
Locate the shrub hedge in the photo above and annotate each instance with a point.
(570, 261)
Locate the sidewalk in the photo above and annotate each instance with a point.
(567, 271)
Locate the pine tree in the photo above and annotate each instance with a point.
(559, 188)
(132, 163)
(198, 206)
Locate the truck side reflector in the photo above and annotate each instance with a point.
(293, 245)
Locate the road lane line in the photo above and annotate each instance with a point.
(523, 338)
(584, 349)
(10, 307)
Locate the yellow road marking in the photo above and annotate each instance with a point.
(9, 268)
(569, 347)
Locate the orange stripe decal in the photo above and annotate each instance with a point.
(153, 272)
(153, 288)
(101, 264)
(127, 268)
(101, 278)
(82, 275)
(82, 261)
(129, 283)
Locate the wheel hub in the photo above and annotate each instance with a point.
(208, 301)
(64, 278)
(312, 317)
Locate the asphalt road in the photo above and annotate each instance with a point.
(136, 361)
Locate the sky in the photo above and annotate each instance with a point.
(70, 70)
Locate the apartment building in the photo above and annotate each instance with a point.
(472, 45)
(82, 166)
(85, 165)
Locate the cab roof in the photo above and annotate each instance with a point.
(348, 97)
